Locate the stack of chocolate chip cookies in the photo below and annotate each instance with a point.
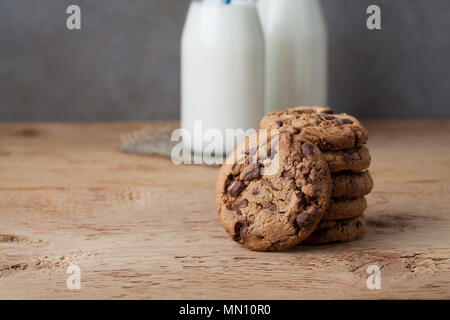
(302, 179)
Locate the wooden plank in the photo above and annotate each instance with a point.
(141, 227)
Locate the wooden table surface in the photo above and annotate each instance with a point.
(142, 227)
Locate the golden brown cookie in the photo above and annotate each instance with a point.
(345, 209)
(357, 159)
(348, 184)
(271, 195)
(319, 125)
(338, 231)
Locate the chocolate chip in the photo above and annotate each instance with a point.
(254, 174)
(301, 220)
(306, 219)
(327, 117)
(273, 208)
(240, 204)
(287, 175)
(296, 131)
(301, 197)
(260, 237)
(236, 189)
(347, 158)
(238, 229)
(276, 244)
(255, 192)
(308, 179)
(308, 149)
(328, 111)
(347, 121)
(280, 123)
(358, 224)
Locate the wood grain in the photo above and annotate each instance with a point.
(142, 227)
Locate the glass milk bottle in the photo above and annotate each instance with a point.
(296, 53)
(222, 70)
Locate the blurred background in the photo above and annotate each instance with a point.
(124, 63)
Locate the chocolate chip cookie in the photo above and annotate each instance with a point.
(320, 126)
(338, 231)
(272, 193)
(357, 159)
(348, 184)
(345, 209)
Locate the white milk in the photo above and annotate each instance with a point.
(296, 53)
(222, 74)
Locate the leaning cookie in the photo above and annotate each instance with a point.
(349, 184)
(272, 194)
(319, 125)
(357, 159)
(338, 231)
(345, 208)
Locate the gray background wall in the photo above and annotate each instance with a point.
(124, 63)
